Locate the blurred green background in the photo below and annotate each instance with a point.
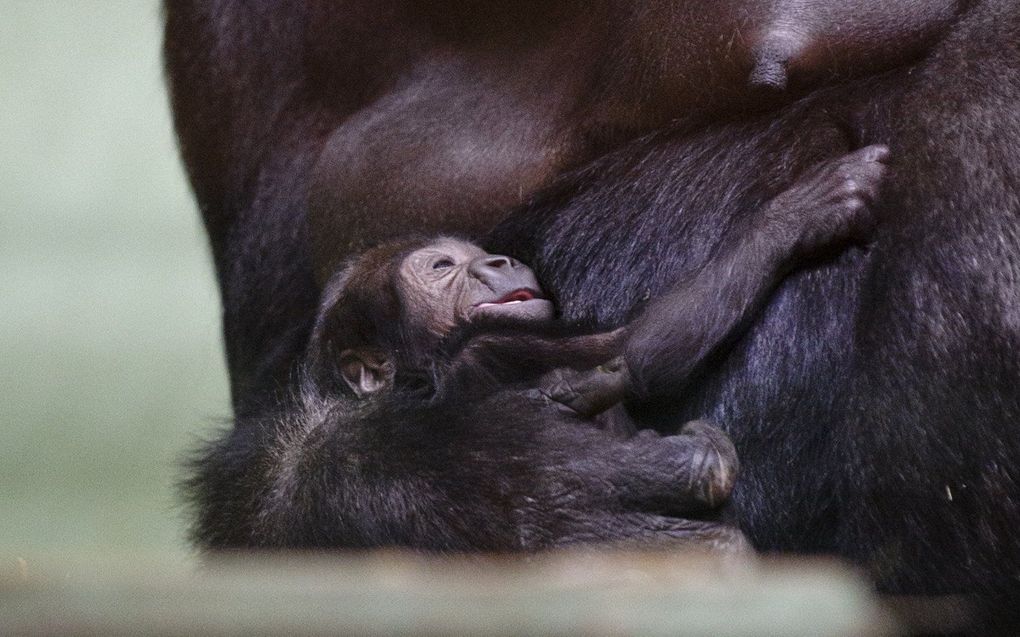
(110, 353)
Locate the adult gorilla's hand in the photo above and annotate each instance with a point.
(499, 476)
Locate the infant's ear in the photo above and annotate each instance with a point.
(366, 371)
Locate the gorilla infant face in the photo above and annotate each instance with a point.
(389, 310)
(451, 282)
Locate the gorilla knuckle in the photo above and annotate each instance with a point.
(850, 186)
(713, 463)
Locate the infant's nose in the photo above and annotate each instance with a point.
(491, 264)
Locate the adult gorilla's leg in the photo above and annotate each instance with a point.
(249, 137)
(934, 427)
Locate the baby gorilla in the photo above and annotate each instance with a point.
(436, 343)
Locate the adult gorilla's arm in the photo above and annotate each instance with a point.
(253, 104)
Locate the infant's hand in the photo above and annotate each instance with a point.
(830, 203)
(589, 392)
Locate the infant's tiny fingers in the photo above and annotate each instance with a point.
(713, 462)
(872, 186)
(875, 169)
(869, 192)
(705, 429)
(872, 154)
(876, 153)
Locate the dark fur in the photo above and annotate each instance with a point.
(469, 461)
(873, 387)
(512, 375)
(365, 309)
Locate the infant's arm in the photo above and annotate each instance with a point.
(678, 331)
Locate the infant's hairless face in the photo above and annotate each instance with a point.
(452, 282)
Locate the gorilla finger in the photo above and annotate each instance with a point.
(874, 153)
(719, 465)
(872, 175)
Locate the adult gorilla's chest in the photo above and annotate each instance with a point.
(471, 125)
(459, 139)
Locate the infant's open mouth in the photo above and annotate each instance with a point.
(517, 296)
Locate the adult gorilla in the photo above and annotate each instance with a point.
(875, 404)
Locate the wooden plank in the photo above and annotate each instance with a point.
(565, 593)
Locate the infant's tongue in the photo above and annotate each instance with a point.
(516, 295)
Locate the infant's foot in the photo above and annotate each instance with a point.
(715, 464)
